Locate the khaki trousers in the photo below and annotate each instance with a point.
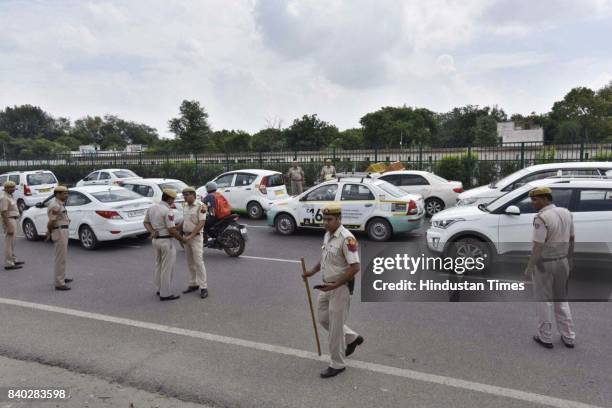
(194, 251)
(9, 243)
(60, 242)
(550, 288)
(297, 187)
(165, 258)
(333, 309)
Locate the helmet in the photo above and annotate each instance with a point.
(211, 186)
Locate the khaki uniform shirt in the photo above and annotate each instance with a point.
(161, 217)
(296, 173)
(339, 251)
(328, 171)
(57, 213)
(553, 226)
(8, 204)
(192, 215)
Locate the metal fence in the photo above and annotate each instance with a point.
(501, 159)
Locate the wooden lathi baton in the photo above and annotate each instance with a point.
(314, 323)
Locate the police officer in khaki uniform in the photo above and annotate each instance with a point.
(10, 215)
(549, 267)
(194, 217)
(339, 264)
(57, 230)
(296, 177)
(159, 221)
(328, 171)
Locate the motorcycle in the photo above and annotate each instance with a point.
(228, 235)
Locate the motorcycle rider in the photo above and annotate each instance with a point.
(218, 207)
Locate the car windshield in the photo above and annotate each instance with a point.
(41, 178)
(115, 195)
(507, 179)
(177, 186)
(503, 199)
(389, 188)
(124, 174)
(275, 180)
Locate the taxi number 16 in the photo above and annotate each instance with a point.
(317, 216)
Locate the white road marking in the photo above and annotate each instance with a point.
(372, 367)
(261, 258)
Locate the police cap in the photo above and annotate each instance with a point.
(60, 189)
(169, 192)
(332, 210)
(189, 189)
(9, 184)
(540, 191)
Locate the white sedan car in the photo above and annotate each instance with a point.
(107, 177)
(437, 192)
(370, 205)
(151, 188)
(97, 213)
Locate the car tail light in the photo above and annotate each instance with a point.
(109, 215)
(262, 185)
(26, 190)
(458, 190)
(412, 208)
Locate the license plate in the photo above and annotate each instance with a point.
(135, 213)
(279, 192)
(44, 190)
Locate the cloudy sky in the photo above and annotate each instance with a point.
(253, 63)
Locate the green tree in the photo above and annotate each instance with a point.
(192, 127)
(485, 133)
(310, 133)
(590, 110)
(349, 139)
(458, 127)
(269, 140)
(395, 127)
(27, 122)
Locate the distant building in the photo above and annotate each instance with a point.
(88, 149)
(509, 132)
(135, 148)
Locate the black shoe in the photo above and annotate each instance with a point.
(204, 293)
(65, 287)
(8, 268)
(538, 340)
(68, 280)
(331, 372)
(191, 289)
(19, 262)
(171, 297)
(157, 293)
(350, 349)
(567, 343)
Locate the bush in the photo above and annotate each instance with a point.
(462, 168)
(602, 156)
(547, 155)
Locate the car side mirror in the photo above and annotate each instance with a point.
(513, 210)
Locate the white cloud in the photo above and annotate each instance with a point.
(252, 61)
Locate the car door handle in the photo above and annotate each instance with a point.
(227, 191)
(368, 205)
(249, 189)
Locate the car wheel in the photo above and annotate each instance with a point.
(21, 206)
(87, 237)
(379, 230)
(472, 248)
(29, 230)
(284, 224)
(433, 205)
(255, 210)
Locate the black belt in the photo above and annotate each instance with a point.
(187, 233)
(61, 227)
(16, 217)
(164, 236)
(553, 259)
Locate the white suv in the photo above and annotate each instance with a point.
(253, 191)
(32, 187)
(505, 225)
(486, 194)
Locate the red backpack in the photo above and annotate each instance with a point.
(222, 206)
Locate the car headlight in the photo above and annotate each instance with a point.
(446, 223)
(467, 201)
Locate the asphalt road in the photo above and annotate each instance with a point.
(250, 344)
